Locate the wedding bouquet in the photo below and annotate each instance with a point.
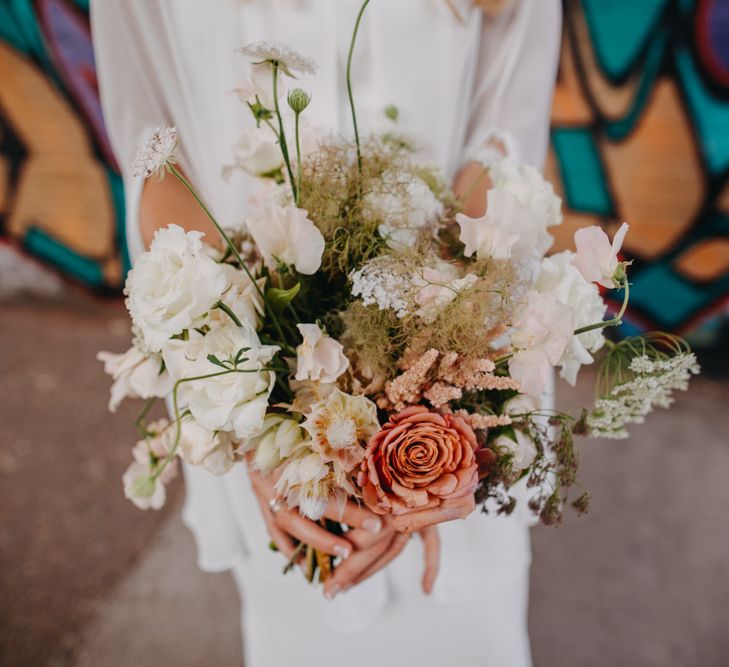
(361, 338)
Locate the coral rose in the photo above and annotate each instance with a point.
(420, 467)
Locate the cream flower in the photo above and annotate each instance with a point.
(340, 427)
(279, 436)
(287, 59)
(172, 286)
(596, 258)
(216, 451)
(136, 375)
(241, 297)
(541, 330)
(437, 287)
(319, 357)
(285, 234)
(508, 230)
(141, 486)
(257, 152)
(232, 402)
(522, 447)
(307, 482)
(559, 276)
(158, 151)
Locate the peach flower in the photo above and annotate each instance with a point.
(421, 462)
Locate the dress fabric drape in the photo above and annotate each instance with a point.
(456, 84)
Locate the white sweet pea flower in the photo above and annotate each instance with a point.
(508, 230)
(158, 151)
(256, 152)
(136, 375)
(558, 276)
(532, 190)
(596, 258)
(279, 436)
(232, 402)
(285, 234)
(522, 446)
(437, 287)
(241, 297)
(216, 451)
(140, 485)
(319, 357)
(541, 330)
(172, 286)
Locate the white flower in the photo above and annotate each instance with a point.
(287, 59)
(521, 404)
(381, 283)
(340, 427)
(278, 438)
(319, 357)
(596, 258)
(307, 482)
(172, 286)
(285, 234)
(559, 277)
(257, 152)
(232, 402)
(142, 485)
(406, 205)
(542, 329)
(159, 150)
(508, 229)
(216, 451)
(530, 187)
(241, 297)
(522, 446)
(136, 375)
(437, 287)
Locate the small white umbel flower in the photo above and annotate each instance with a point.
(159, 151)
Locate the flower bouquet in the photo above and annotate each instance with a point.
(361, 338)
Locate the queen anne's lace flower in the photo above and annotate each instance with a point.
(159, 150)
(288, 59)
(652, 384)
(377, 283)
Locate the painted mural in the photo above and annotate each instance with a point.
(640, 133)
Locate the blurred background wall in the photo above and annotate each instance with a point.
(640, 133)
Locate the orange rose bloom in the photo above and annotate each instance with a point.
(420, 460)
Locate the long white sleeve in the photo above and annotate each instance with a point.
(514, 80)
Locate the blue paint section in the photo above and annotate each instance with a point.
(719, 31)
(50, 250)
(582, 173)
(710, 114)
(620, 30)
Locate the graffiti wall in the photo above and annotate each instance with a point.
(640, 133)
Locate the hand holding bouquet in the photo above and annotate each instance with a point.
(361, 342)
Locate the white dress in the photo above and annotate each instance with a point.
(456, 83)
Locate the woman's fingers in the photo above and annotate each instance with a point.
(307, 531)
(348, 571)
(364, 539)
(354, 515)
(394, 549)
(457, 508)
(431, 549)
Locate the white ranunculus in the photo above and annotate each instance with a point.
(285, 234)
(279, 436)
(406, 205)
(136, 375)
(558, 276)
(213, 450)
(172, 286)
(437, 287)
(241, 297)
(521, 445)
(508, 230)
(232, 402)
(319, 357)
(541, 330)
(530, 187)
(257, 151)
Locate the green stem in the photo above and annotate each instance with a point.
(298, 157)
(282, 134)
(142, 414)
(614, 321)
(228, 312)
(349, 84)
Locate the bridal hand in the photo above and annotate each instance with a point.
(448, 510)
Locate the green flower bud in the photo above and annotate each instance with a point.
(391, 112)
(298, 100)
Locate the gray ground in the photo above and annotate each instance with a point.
(89, 581)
